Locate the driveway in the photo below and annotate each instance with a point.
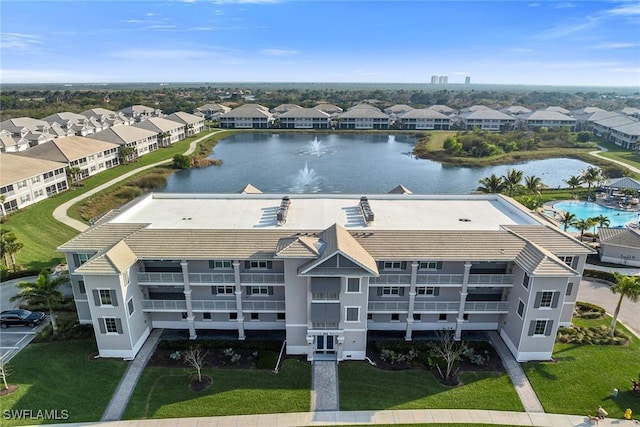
(600, 294)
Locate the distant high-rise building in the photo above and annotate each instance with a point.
(443, 80)
(467, 80)
(434, 80)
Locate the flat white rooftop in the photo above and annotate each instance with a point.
(318, 212)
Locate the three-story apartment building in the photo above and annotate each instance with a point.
(326, 270)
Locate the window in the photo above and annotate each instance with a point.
(261, 290)
(280, 316)
(545, 300)
(111, 327)
(81, 287)
(130, 306)
(224, 290)
(417, 317)
(567, 260)
(353, 284)
(520, 308)
(369, 316)
(226, 264)
(184, 315)
(540, 327)
(105, 297)
(395, 317)
(82, 258)
(255, 316)
(569, 289)
(525, 281)
(206, 316)
(233, 316)
(35, 179)
(394, 265)
(391, 291)
(426, 290)
(22, 184)
(25, 198)
(442, 317)
(352, 314)
(260, 265)
(430, 265)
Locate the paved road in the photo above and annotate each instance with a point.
(600, 294)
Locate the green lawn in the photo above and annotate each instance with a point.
(35, 227)
(165, 392)
(363, 387)
(61, 376)
(585, 375)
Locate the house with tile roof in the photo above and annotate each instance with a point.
(618, 128)
(485, 119)
(324, 271)
(77, 123)
(247, 116)
(169, 131)
(11, 144)
(91, 156)
(192, 123)
(25, 181)
(140, 112)
(546, 118)
(620, 246)
(329, 109)
(108, 118)
(25, 128)
(363, 116)
(424, 119)
(304, 118)
(211, 111)
(142, 141)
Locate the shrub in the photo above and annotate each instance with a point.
(598, 274)
(587, 310)
(590, 335)
(176, 355)
(127, 192)
(180, 161)
(150, 181)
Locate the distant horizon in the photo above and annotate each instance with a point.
(533, 42)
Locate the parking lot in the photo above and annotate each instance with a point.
(15, 338)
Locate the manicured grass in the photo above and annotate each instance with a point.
(364, 387)
(630, 157)
(436, 425)
(61, 376)
(165, 392)
(583, 377)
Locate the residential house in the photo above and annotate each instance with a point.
(424, 119)
(169, 131)
(91, 156)
(211, 111)
(630, 111)
(25, 181)
(142, 141)
(329, 109)
(516, 110)
(77, 123)
(325, 270)
(447, 111)
(485, 119)
(140, 112)
(546, 118)
(363, 116)
(108, 118)
(11, 144)
(192, 124)
(25, 128)
(305, 118)
(558, 110)
(620, 246)
(283, 108)
(618, 128)
(247, 116)
(397, 110)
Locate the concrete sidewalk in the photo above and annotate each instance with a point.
(324, 386)
(413, 416)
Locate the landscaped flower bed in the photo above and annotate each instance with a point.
(596, 335)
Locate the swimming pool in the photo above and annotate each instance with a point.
(584, 210)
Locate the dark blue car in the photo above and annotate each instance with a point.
(21, 317)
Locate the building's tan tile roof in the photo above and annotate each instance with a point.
(298, 247)
(627, 237)
(305, 112)
(158, 124)
(249, 189)
(551, 238)
(423, 113)
(115, 260)
(100, 236)
(123, 134)
(16, 168)
(363, 113)
(185, 118)
(247, 111)
(400, 189)
(537, 261)
(328, 108)
(68, 148)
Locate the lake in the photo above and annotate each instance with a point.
(343, 163)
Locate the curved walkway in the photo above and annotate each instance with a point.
(60, 213)
(409, 416)
(618, 162)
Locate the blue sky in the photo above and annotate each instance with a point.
(494, 42)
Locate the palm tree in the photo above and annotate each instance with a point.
(626, 286)
(568, 219)
(43, 290)
(590, 176)
(601, 221)
(491, 184)
(512, 181)
(126, 154)
(573, 182)
(2, 199)
(74, 173)
(10, 247)
(582, 225)
(533, 184)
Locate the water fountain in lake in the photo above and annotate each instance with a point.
(315, 148)
(306, 181)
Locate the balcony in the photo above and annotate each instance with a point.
(210, 278)
(439, 279)
(263, 306)
(436, 306)
(444, 279)
(209, 305)
(164, 305)
(388, 306)
(492, 280)
(160, 278)
(270, 278)
(486, 307)
(324, 296)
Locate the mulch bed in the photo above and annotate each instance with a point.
(199, 386)
(7, 391)
(215, 358)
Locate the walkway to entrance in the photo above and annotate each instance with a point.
(324, 386)
(519, 379)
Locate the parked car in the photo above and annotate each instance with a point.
(21, 317)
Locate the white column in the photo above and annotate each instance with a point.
(412, 300)
(238, 292)
(463, 300)
(187, 298)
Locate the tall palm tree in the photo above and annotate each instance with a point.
(533, 184)
(44, 290)
(591, 175)
(568, 219)
(626, 286)
(583, 225)
(512, 181)
(573, 182)
(491, 184)
(601, 221)
(10, 247)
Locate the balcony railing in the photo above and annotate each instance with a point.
(390, 306)
(486, 306)
(266, 306)
(490, 279)
(443, 279)
(439, 279)
(322, 296)
(436, 306)
(160, 278)
(210, 278)
(325, 325)
(164, 305)
(271, 278)
(206, 305)
(391, 279)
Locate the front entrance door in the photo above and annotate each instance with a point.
(325, 344)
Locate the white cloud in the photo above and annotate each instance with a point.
(279, 52)
(613, 45)
(626, 10)
(132, 21)
(562, 5)
(19, 41)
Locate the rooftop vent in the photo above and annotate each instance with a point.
(365, 208)
(281, 215)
